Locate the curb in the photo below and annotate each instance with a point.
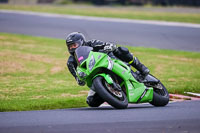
(179, 98)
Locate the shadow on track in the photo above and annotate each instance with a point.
(135, 106)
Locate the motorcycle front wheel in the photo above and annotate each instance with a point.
(115, 98)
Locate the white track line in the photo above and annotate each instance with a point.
(194, 94)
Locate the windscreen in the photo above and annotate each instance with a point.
(82, 53)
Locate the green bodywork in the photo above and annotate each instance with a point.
(134, 89)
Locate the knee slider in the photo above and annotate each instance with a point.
(94, 101)
(123, 50)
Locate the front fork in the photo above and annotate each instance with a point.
(110, 81)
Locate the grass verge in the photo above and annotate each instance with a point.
(129, 13)
(33, 74)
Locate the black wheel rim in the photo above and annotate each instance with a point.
(117, 94)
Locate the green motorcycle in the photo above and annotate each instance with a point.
(115, 82)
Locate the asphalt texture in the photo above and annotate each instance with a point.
(178, 117)
(123, 33)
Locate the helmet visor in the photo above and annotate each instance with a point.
(73, 46)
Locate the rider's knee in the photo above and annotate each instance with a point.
(123, 50)
(94, 101)
(124, 54)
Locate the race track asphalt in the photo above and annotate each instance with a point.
(127, 32)
(178, 117)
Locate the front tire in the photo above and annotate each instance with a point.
(102, 90)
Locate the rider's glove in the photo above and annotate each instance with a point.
(109, 47)
(80, 82)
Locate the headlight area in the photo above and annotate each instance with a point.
(82, 75)
(91, 63)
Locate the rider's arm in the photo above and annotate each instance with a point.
(99, 45)
(72, 65)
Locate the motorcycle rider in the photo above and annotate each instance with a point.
(77, 39)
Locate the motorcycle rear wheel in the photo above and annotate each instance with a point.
(117, 101)
(160, 96)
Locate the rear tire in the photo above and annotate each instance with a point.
(160, 96)
(104, 93)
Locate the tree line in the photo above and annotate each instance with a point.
(143, 2)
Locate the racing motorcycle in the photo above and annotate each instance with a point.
(115, 82)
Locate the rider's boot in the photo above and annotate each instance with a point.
(139, 66)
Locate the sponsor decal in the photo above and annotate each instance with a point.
(80, 58)
(143, 94)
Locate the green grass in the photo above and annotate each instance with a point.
(130, 13)
(34, 76)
